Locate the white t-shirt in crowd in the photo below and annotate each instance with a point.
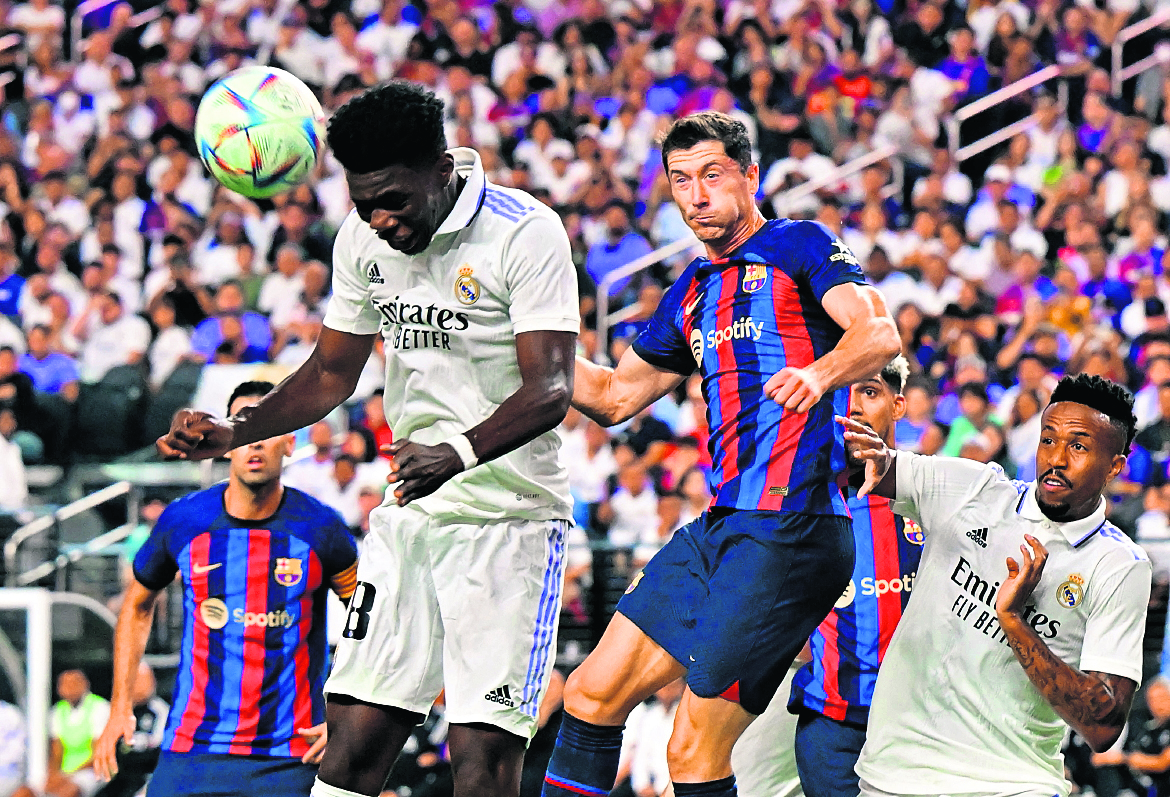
(953, 711)
(111, 345)
(499, 266)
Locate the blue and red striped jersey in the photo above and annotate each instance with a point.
(253, 660)
(850, 643)
(740, 320)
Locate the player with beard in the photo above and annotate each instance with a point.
(1029, 609)
(255, 558)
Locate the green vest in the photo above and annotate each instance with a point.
(76, 731)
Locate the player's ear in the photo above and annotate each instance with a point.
(1119, 461)
(753, 176)
(290, 444)
(899, 407)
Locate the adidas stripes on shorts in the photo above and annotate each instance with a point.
(467, 608)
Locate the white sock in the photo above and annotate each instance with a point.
(325, 790)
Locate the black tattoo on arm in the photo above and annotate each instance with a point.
(1095, 704)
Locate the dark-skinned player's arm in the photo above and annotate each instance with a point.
(130, 636)
(1094, 704)
(612, 395)
(545, 358)
(868, 344)
(325, 380)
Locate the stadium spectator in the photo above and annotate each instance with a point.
(110, 336)
(75, 721)
(242, 334)
(13, 748)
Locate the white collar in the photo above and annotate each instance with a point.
(1076, 531)
(470, 167)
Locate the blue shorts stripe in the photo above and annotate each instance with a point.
(546, 615)
(572, 785)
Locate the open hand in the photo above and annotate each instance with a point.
(105, 750)
(864, 447)
(318, 737)
(195, 435)
(417, 470)
(1022, 577)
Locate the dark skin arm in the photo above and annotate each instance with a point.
(546, 370)
(1094, 704)
(326, 379)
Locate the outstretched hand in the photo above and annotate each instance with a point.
(195, 435)
(417, 470)
(105, 749)
(1022, 577)
(864, 447)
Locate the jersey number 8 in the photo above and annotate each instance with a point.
(357, 622)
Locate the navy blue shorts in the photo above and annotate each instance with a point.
(216, 775)
(736, 593)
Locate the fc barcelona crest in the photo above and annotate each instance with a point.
(288, 572)
(913, 532)
(754, 276)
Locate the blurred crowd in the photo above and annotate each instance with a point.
(125, 271)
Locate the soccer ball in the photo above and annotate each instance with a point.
(259, 131)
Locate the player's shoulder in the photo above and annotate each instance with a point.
(507, 208)
(787, 232)
(300, 506)
(1115, 547)
(194, 510)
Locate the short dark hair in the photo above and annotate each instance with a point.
(976, 389)
(896, 373)
(1106, 397)
(395, 124)
(256, 387)
(709, 126)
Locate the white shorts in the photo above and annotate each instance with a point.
(471, 609)
(869, 790)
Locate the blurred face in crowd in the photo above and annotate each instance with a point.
(258, 464)
(72, 685)
(1158, 699)
(716, 196)
(1079, 453)
(919, 407)
(229, 300)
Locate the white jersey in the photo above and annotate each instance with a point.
(953, 711)
(498, 266)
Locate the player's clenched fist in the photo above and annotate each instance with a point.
(195, 435)
(417, 470)
(794, 389)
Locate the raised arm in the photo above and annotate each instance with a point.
(612, 395)
(325, 380)
(134, 621)
(1095, 704)
(870, 341)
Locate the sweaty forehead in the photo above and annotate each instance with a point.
(698, 156)
(368, 185)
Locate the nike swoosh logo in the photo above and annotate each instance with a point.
(201, 569)
(687, 310)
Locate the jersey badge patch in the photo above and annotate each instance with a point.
(466, 286)
(913, 533)
(1071, 593)
(214, 613)
(697, 345)
(374, 275)
(754, 276)
(634, 583)
(843, 254)
(288, 572)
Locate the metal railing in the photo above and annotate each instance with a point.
(52, 521)
(834, 176)
(1120, 74)
(955, 120)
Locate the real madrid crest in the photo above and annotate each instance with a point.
(287, 572)
(466, 286)
(1071, 592)
(913, 532)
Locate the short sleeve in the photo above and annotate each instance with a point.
(1117, 624)
(928, 490)
(350, 309)
(335, 546)
(828, 261)
(154, 564)
(542, 281)
(661, 343)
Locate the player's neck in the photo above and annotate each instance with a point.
(749, 227)
(247, 502)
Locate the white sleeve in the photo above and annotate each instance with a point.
(928, 490)
(350, 309)
(540, 276)
(1117, 624)
(54, 722)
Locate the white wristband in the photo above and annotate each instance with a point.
(463, 448)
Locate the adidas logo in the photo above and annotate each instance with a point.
(502, 696)
(980, 537)
(374, 276)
